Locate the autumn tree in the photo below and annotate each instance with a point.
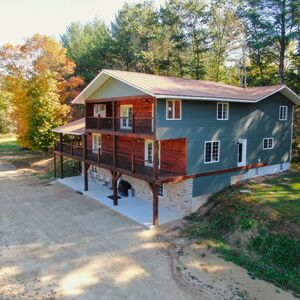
(37, 75)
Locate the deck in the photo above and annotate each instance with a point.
(124, 164)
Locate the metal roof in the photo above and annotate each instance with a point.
(173, 87)
(75, 128)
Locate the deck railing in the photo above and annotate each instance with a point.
(134, 124)
(131, 163)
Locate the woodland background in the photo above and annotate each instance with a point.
(243, 43)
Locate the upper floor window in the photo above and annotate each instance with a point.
(173, 110)
(268, 143)
(283, 111)
(212, 151)
(100, 110)
(222, 111)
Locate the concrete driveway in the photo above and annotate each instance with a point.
(56, 244)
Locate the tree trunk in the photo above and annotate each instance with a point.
(282, 42)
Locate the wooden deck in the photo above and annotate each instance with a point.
(124, 164)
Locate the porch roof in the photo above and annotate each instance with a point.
(75, 128)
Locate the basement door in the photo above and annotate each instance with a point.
(242, 152)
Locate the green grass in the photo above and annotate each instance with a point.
(39, 162)
(259, 231)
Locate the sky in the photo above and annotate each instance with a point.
(23, 18)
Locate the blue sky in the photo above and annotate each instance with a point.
(23, 18)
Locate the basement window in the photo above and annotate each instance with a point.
(222, 111)
(268, 143)
(173, 109)
(161, 190)
(283, 110)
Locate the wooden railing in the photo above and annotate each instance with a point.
(132, 124)
(127, 162)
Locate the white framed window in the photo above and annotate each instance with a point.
(173, 109)
(161, 191)
(100, 109)
(126, 114)
(222, 111)
(149, 153)
(96, 142)
(211, 152)
(268, 143)
(283, 112)
(93, 169)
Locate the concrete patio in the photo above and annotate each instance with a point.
(134, 208)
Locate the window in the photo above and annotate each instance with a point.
(100, 109)
(173, 110)
(93, 169)
(161, 190)
(149, 153)
(126, 114)
(222, 111)
(268, 143)
(283, 111)
(212, 151)
(96, 142)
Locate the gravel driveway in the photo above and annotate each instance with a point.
(56, 244)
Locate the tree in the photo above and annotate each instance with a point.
(36, 76)
(271, 28)
(89, 45)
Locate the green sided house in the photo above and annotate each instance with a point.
(174, 141)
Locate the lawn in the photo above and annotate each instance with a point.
(40, 163)
(281, 194)
(258, 230)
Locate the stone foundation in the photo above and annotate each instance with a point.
(177, 195)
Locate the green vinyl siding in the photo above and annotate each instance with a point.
(115, 88)
(251, 121)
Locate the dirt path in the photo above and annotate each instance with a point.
(197, 266)
(56, 244)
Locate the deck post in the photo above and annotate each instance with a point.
(155, 204)
(61, 166)
(155, 187)
(54, 165)
(115, 189)
(115, 177)
(84, 142)
(60, 142)
(86, 177)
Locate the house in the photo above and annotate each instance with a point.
(175, 141)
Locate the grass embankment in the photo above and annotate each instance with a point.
(40, 163)
(259, 231)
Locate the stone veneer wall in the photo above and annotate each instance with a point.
(177, 195)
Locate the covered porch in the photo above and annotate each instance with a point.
(134, 208)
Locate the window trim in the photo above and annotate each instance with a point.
(226, 104)
(270, 138)
(219, 152)
(180, 104)
(146, 153)
(286, 115)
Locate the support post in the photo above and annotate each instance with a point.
(155, 187)
(54, 165)
(115, 189)
(60, 142)
(86, 177)
(155, 204)
(61, 166)
(84, 150)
